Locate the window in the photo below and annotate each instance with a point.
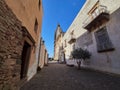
(39, 4)
(103, 40)
(36, 26)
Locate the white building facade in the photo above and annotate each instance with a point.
(96, 28)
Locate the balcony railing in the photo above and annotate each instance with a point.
(101, 13)
(72, 39)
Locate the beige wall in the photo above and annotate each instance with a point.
(46, 58)
(27, 11)
(43, 55)
(41, 64)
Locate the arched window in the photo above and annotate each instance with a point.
(39, 4)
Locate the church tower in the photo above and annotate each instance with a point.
(57, 42)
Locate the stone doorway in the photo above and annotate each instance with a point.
(64, 57)
(25, 59)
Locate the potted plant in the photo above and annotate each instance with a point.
(80, 54)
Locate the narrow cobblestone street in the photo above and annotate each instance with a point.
(62, 77)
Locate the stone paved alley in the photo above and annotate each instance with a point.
(62, 77)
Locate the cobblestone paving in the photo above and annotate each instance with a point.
(62, 77)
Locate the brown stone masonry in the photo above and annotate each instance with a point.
(11, 44)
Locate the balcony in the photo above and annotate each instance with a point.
(97, 18)
(72, 39)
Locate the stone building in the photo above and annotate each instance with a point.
(46, 58)
(96, 28)
(43, 55)
(20, 31)
(58, 47)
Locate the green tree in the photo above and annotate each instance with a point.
(80, 54)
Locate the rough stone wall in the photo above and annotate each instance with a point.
(29, 12)
(46, 60)
(10, 48)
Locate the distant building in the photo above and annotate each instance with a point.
(20, 33)
(58, 46)
(46, 58)
(43, 55)
(96, 28)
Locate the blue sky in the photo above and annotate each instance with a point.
(54, 12)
